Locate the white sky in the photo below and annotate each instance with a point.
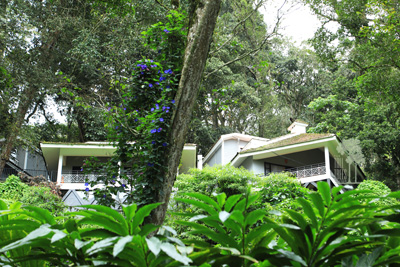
(298, 21)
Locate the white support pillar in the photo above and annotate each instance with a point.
(222, 153)
(59, 170)
(327, 162)
(349, 172)
(26, 159)
(355, 172)
(199, 162)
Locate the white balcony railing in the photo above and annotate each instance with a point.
(77, 177)
(308, 171)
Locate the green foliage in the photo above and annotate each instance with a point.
(42, 197)
(280, 190)
(108, 238)
(12, 189)
(214, 180)
(138, 118)
(378, 189)
(230, 223)
(364, 100)
(12, 216)
(333, 229)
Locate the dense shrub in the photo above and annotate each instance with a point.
(280, 190)
(43, 197)
(41, 182)
(377, 189)
(214, 180)
(14, 190)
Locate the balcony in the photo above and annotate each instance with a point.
(75, 177)
(308, 171)
(78, 177)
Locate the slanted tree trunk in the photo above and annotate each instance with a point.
(196, 52)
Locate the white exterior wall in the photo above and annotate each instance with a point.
(231, 148)
(255, 166)
(247, 164)
(216, 158)
(258, 167)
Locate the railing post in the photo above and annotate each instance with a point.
(327, 161)
(59, 170)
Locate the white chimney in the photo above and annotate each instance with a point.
(298, 127)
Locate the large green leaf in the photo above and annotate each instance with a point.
(154, 245)
(41, 215)
(120, 245)
(231, 202)
(309, 211)
(104, 222)
(129, 211)
(171, 251)
(140, 215)
(253, 217)
(198, 204)
(110, 212)
(325, 192)
(43, 230)
(318, 203)
(205, 199)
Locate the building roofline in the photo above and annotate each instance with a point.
(230, 136)
(243, 155)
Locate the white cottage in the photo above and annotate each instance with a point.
(310, 157)
(65, 160)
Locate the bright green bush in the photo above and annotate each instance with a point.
(280, 190)
(377, 189)
(12, 189)
(208, 181)
(214, 180)
(42, 197)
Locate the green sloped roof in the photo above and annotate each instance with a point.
(297, 139)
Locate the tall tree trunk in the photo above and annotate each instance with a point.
(15, 126)
(3, 29)
(196, 52)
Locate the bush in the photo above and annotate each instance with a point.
(379, 189)
(43, 197)
(12, 189)
(214, 180)
(281, 190)
(41, 182)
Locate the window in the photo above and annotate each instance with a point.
(268, 168)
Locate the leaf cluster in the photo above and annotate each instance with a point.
(93, 236)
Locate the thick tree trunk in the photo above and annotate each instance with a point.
(196, 52)
(19, 118)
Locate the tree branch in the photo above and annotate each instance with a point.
(161, 4)
(33, 111)
(264, 42)
(236, 26)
